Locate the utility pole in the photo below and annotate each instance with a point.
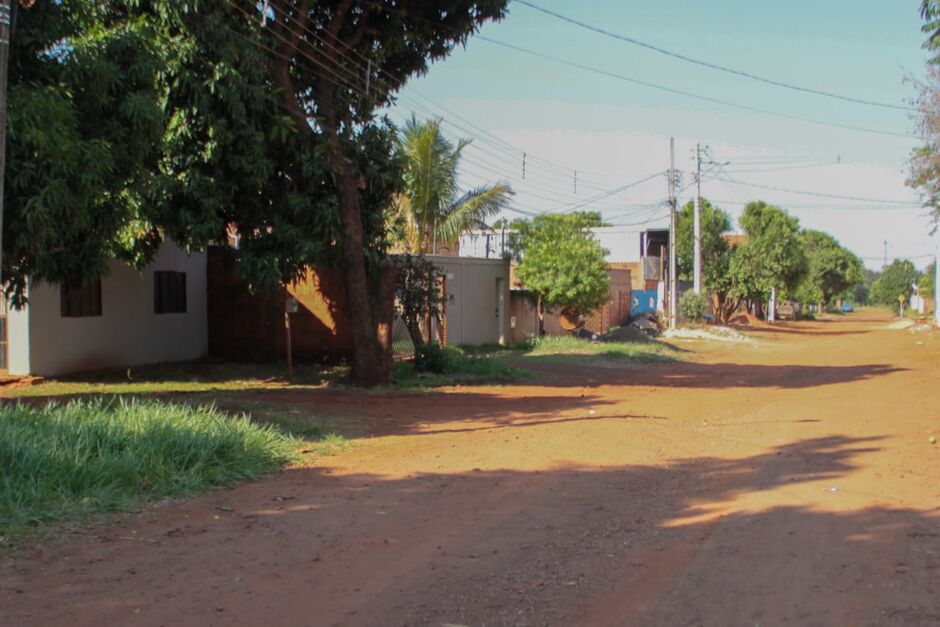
(6, 15)
(673, 270)
(697, 261)
(885, 264)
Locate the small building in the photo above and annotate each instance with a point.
(477, 304)
(126, 318)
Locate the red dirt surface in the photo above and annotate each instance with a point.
(786, 481)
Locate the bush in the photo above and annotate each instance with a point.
(64, 461)
(457, 365)
(432, 357)
(693, 307)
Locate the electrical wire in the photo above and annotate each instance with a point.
(689, 94)
(714, 66)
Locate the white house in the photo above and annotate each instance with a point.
(127, 318)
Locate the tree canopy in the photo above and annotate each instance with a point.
(430, 211)
(135, 121)
(715, 224)
(773, 255)
(84, 137)
(562, 261)
(831, 269)
(896, 280)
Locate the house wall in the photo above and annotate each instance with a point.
(127, 333)
(623, 244)
(246, 326)
(477, 293)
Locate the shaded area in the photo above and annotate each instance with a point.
(716, 541)
(712, 375)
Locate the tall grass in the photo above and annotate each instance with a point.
(64, 461)
(571, 347)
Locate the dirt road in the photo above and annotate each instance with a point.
(786, 481)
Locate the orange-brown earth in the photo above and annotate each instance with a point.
(790, 480)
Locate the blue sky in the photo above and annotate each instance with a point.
(615, 133)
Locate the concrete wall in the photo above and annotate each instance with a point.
(127, 333)
(477, 299)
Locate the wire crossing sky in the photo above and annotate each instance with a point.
(807, 101)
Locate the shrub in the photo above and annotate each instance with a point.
(432, 357)
(63, 461)
(693, 307)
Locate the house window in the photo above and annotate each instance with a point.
(81, 301)
(169, 292)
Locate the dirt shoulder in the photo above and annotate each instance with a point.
(787, 480)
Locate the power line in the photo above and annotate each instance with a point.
(715, 66)
(733, 181)
(689, 94)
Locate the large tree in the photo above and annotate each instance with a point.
(896, 280)
(430, 211)
(772, 257)
(831, 269)
(716, 252)
(562, 262)
(180, 118)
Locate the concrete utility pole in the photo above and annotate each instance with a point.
(936, 289)
(673, 270)
(6, 14)
(697, 262)
(885, 264)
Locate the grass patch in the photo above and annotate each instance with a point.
(566, 347)
(65, 462)
(453, 366)
(189, 377)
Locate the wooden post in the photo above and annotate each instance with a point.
(289, 305)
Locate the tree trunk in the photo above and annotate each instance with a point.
(540, 312)
(370, 366)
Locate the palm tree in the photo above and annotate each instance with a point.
(431, 212)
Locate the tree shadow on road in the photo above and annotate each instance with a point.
(769, 538)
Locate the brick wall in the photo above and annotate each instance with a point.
(245, 326)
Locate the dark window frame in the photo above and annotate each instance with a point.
(169, 292)
(83, 301)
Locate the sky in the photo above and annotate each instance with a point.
(615, 133)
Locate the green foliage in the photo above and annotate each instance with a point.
(418, 293)
(562, 261)
(831, 269)
(430, 211)
(432, 357)
(896, 280)
(64, 461)
(773, 255)
(715, 223)
(926, 284)
(456, 365)
(693, 307)
(84, 136)
(930, 12)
